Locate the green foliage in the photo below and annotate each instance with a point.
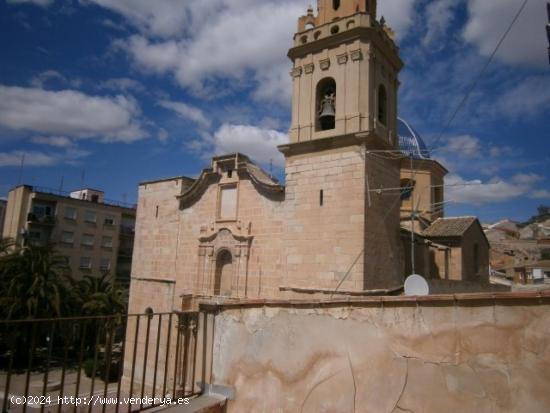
(35, 282)
(101, 296)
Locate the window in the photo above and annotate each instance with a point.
(407, 186)
(67, 237)
(109, 220)
(326, 104)
(70, 213)
(90, 216)
(35, 235)
(107, 242)
(335, 4)
(85, 263)
(105, 264)
(382, 105)
(42, 211)
(88, 240)
(95, 198)
(321, 197)
(228, 203)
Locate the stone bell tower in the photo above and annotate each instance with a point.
(344, 52)
(341, 234)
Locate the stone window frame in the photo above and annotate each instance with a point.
(221, 187)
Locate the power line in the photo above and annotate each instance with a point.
(477, 79)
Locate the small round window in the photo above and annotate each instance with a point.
(334, 29)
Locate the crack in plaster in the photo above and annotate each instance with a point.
(354, 382)
(404, 385)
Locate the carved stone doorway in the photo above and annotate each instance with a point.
(224, 273)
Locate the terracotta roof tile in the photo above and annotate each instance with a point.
(449, 227)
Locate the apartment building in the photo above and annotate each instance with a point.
(3, 205)
(93, 234)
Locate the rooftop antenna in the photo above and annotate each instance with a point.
(21, 169)
(82, 176)
(61, 184)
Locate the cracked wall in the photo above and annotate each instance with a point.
(397, 358)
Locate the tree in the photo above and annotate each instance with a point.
(35, 283)
(5, 246)
(101, 296)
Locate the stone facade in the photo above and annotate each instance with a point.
(235, 232)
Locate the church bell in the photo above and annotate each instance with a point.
(327, 114)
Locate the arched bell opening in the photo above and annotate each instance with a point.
(326, 104)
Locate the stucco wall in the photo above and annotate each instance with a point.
(437, 356)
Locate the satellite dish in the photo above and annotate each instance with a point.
(416, 285)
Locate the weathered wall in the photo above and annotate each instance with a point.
(436, 356)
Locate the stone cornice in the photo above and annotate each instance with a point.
(369, 34)
(209, 176)
(370, 139)
(426, 164)
(236, 230)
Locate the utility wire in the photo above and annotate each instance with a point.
(478, 78)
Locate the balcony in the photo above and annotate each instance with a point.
(48, 220)
(127, 231)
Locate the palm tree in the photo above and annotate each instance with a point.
(35, 283)
(5, 246)
(101, 296)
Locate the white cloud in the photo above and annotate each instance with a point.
(56, 141)
(464, 145)
(37, 158)
(70, 113)
(526, 42)
(123, 84)
(399, 14)
(526, 98)
(42, 3)
(526, 179)
(186, 111)
(258, 143)
(541, 194)
(200, 41)
(240, 43)
(439, 15)
(495, 190)
(39, 81)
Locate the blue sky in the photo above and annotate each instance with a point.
(122, 91)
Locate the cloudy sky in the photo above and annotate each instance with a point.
(114, 92)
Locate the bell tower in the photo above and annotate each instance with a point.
(339, 234)
(345, 73)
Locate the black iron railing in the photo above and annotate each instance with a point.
(97, 364)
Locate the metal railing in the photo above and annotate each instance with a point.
(97, 364)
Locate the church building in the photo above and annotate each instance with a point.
(352, 183)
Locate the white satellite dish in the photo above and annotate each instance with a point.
(416, 285)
